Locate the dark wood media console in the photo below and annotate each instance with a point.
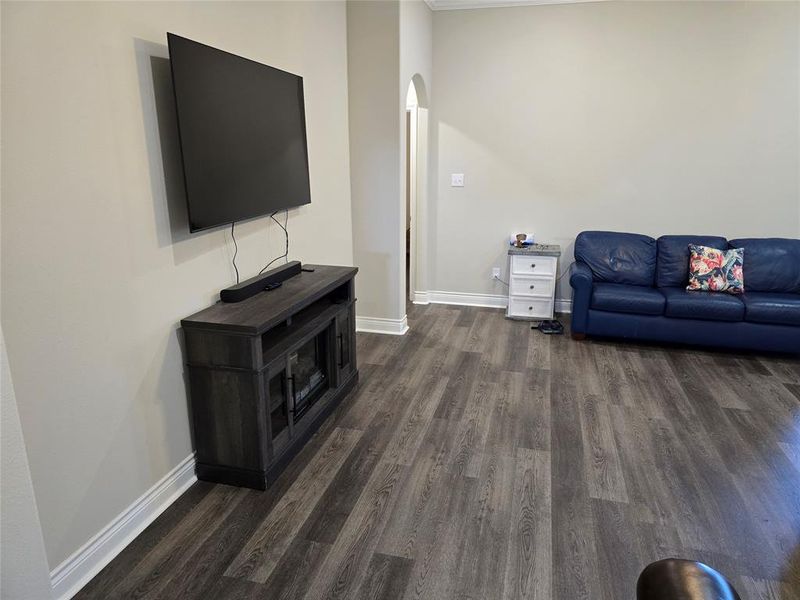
(264, 373)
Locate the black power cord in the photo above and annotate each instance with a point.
(286, 233)
(235, 252)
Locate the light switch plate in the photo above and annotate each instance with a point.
(457, 180)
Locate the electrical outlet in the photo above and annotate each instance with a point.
(457, 180)
(496, 273)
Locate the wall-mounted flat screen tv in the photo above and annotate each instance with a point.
(242, 131)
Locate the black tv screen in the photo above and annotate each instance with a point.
(242, 133)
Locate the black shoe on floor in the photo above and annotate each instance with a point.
(546, 326)
(551, 327)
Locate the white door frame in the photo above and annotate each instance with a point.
(419, 227)
(411, 179)
(415, 122)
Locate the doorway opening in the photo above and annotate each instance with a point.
(412, 104)
(413, 205)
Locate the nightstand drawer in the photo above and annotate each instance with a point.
(533, 265)
(533, 308)
(531, 286)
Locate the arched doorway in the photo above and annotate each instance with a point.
(415, 198)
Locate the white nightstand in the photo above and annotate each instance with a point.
(532, 275)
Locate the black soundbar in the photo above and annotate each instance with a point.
(254, 285)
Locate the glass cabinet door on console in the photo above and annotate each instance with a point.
(345, 350)
(279, 424)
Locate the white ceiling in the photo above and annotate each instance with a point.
(464, 4)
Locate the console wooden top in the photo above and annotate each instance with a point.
(263, 311)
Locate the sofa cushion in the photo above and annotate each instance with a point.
(623, 298)
(775, 308)
(770, 264)
(672, 269)
(685, 304)
(618, 257)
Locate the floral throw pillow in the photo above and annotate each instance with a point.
(716, 270)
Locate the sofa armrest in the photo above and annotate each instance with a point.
(580, 278)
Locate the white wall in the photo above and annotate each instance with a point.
(97, 264)
(24, 572)
(651, 117)
(373, 50)
(388, 43)
(416, 46)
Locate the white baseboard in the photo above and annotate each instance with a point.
(420, 298)
(76, 571)
(468, 299)
(562, 305)
(380, 325)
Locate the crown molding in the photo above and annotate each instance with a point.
(472, 4)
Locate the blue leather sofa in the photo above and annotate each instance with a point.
(632, 286)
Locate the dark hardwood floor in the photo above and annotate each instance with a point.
(480, 459)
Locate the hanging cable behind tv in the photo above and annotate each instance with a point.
(265, 280)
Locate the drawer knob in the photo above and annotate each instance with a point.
(532, 287)
(533, 265)
(530, 308)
